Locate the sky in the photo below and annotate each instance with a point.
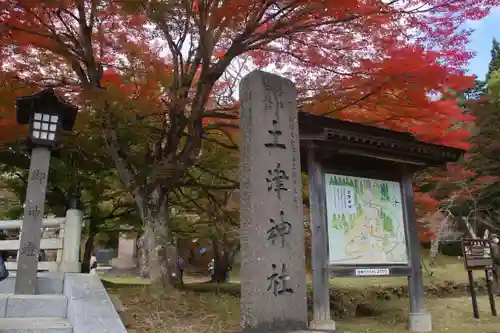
(481, 40)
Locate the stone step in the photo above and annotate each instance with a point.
(35, 325)
(46, 283)
(24, 306)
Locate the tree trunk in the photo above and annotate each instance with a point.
(486, 234)
(434, 251)
(161, 249)
(89, 246)
(439, 233)
(471, 230)
(162, 252)
(234, 253)
(137, 252)
(158, 253)
(142, 252)
(221, 262)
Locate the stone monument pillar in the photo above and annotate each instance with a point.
(31, 230)
(273, 274)
(126, 253)
(70, 262)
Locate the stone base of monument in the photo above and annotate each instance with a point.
(322, 325)
(64, 303)
(123, 263)
(46, 283)
(420, 322)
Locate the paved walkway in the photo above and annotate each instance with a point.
(120, 274)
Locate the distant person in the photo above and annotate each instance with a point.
(495, 253)
(229, 268)
(93, 268)
(93, 265)
(211, 268)
(191, 257)
(180, 267)
(4, 273)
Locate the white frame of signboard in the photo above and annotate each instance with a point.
(349, 268)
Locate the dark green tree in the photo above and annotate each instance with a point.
(482, 164)
(495, 59)
(79, 167)
(213, 198)
(479, 90)
(485, 153)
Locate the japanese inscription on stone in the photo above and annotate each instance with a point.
(276, 179)
(275, 132)
(38, 176)
(29, 250)
(272, 232)
(278, 282)
(280, 229)
(29, 242)
(276, 182)
(34, 211)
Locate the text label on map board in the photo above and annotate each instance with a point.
(372, 271)
(365, 221)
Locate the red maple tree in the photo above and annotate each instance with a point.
(174, 65)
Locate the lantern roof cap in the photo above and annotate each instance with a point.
(46, 100)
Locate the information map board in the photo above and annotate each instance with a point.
(365, 222)
(477, 254)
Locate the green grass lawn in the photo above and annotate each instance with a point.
(448, 315)
(133, 280)
(447, 268)
(148, 310)
(211, 308)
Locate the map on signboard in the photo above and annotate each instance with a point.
(365, 221)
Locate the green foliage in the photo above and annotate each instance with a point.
(494, 87)
(481, 87)
(207, 206)
(495, 60)
(471, 188)
(81, 167)
(485, 153)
